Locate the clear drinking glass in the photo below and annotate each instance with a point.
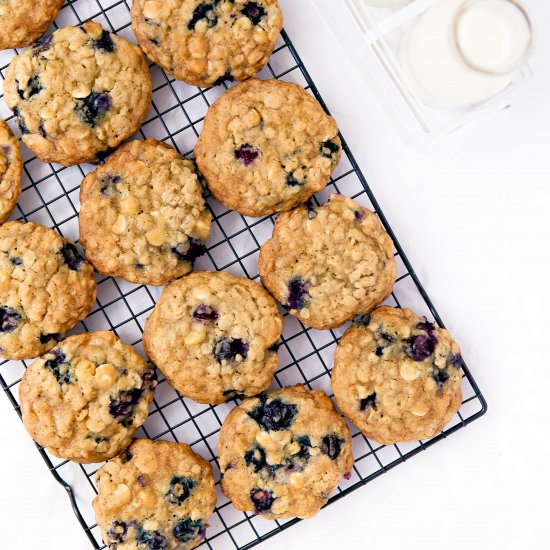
(461, 52)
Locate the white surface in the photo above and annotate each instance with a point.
(472, 215)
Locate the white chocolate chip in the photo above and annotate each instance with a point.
(421, 409)
(202, 293)
(129, 206)
(408, 372)
(151, 10)
(363, 376)
(297, 480)
(95, 424)
(156, 236)
(120, 225)
(195, 337)
(105, 376)
(265, 441)
(282, 437)
(81, 91)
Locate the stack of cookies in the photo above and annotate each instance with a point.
(266, 148)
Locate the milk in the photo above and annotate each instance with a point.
(462, 52)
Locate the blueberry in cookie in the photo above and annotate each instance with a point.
(46, 288)
(84, 399)
(212, 336)
(158, 494)
(328, 267)
(206, 42)
(77, 93)
(282, 454)
(397, 376)
(267, 146)
(142, 215)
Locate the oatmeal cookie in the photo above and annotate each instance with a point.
(24, 21)
(157, 494)
(397, 376)
(212, 335)
(329, 263)
(10, 171)
(282, 454)
(46, 288)
(142, 214)
(77, 93)
(266, 146)
(205, 42)
(84, 399)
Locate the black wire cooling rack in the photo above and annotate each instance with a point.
(50, 197)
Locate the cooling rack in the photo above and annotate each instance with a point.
(50, 197)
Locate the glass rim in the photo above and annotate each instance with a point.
(512, 66)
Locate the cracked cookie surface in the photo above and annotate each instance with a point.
(205, 42)
(266, 146)
(10, 171)
(84, 399)
(142, 215)
(46, 288)
(77, 93)
(158, 494)
(329, 263)
(24, 21)
(212, 335)
(397, 376)
(282, 454)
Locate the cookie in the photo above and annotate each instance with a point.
(397, 376)
(46, 288)
(212, 335)
(158, 494)
(10, 171)
(24, 21)
(77, 93)
(142, 214)
(329, 263)
(266, 146)
(205, 42)
(84, 399)
(282, 454)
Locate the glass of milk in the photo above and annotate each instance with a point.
(461, 52)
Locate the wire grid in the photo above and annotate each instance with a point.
(50, 197)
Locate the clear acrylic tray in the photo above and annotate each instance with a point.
(370, 36)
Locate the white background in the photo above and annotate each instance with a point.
(472, 214)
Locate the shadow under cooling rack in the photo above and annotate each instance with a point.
(50, 197)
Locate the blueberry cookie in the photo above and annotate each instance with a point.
(213, 336)
(282, 454)
(157, 494)
(46, 288)
(142, 214)
(329, 263)
(77, 93)
(24, 21)
(396, 376)
(84, 399)
(266, 146)
(205, 42)
(10, 171)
